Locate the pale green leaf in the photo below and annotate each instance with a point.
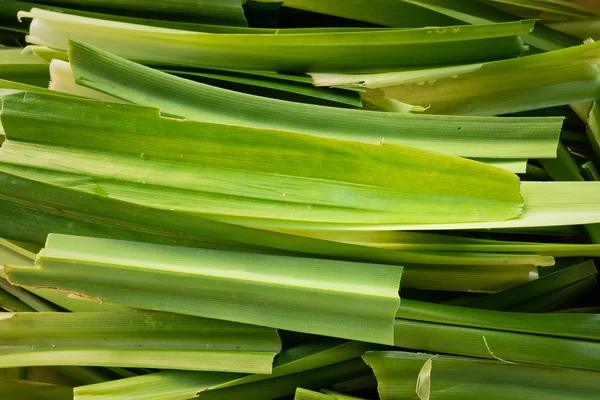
(364, 51)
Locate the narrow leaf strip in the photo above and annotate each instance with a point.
(464, 136)
(417, 241)
(492, 344)
(467, 278)
(333, 298)
(135, 339)
(578, 326)
(443, 377)
(374, 50)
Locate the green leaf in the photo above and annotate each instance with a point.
(85, 375)
(554, 300)
(500, 87)
(9, 302)
(443, 378)
(13, 389)
(528, 292)
(565, 168)
(381, 12)
(560, 7)
(582, 29)
(13, 373)
(464, 136)
(218, 12)
(333, 298)
(243, 175)
(305, 394)
(13, 254)
(23, 67)
(31, 210)
(467, 278)
(34, 302)
(477, 12)
(592, 119)
(590, 171)
(578, 326)
(417, 241)
(63, 81)
(546, 204)
(135, 339)
(364, 51)
(275, 88)
(493, 344)
(471, 137)
(312, 365)
(516, 166)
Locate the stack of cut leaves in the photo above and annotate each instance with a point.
(299, 199)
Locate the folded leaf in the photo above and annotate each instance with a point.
(326, 297)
